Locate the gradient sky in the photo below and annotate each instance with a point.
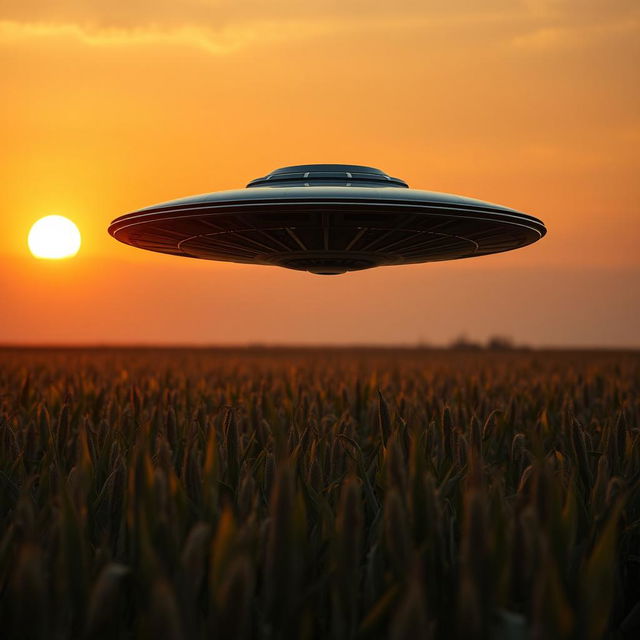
(113, 105)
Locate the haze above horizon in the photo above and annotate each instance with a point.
(115, 106)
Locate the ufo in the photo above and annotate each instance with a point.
(327, 219)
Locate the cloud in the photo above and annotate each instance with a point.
(558, 24)
(572, 36)
(223, 26)
(224, 40)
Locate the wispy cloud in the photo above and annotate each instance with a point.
(222, 41)
(224, 26)
(562, 24)
(235, 32)
(572, 36)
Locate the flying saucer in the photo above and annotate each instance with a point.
(327, 219)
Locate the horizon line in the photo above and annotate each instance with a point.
(472, 345)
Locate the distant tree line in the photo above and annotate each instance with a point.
(493, 343)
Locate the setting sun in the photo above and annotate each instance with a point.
(54, 237)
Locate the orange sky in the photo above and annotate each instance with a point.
(116, 105)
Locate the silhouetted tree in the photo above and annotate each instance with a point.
(500, 343)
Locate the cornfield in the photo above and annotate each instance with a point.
(337, 494)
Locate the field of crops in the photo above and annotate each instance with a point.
(279, 494)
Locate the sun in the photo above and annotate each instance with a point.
(54, 237)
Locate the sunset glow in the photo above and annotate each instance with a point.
(116, 106)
